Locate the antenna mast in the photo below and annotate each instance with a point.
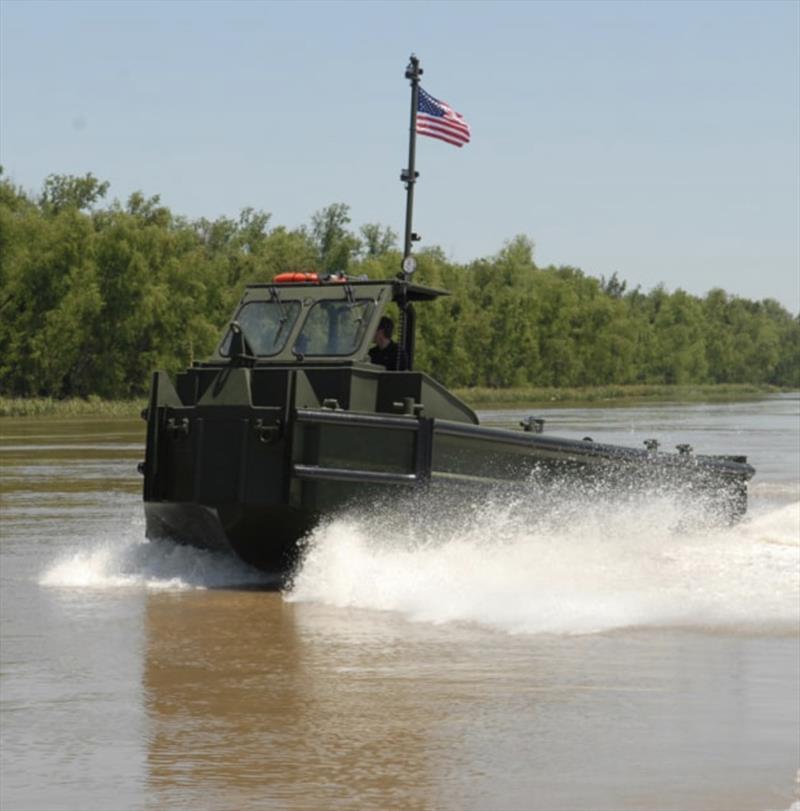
(409, 176)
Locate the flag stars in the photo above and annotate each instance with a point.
(436, 119)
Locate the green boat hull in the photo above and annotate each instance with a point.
(255, 480)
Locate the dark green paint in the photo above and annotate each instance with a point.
(246, 451)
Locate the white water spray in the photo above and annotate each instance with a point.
(130, 561)
(584, 568)
(588, 565)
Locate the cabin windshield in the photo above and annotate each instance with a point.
(334, 328)
(265, 324)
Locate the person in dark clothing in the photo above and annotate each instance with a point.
(386, 352)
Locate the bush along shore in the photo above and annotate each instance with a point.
(531, 395)
(94, 296)
(475, 397)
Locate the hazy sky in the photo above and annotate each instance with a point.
(659, 140)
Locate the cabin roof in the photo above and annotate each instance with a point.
(401, 289)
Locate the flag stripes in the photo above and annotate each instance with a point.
(437, 119)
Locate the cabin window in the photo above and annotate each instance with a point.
(334, 328)
(266, 326)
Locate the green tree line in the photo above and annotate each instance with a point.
(94, 295)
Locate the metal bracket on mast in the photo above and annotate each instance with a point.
(405, 176)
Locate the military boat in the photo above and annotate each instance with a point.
(290, 419)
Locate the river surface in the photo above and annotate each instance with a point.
(596, 658)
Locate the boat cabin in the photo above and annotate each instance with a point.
(305, 344)
(318, 321)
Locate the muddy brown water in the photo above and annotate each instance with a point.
(497, 661)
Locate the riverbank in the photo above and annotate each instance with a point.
(72, 407)
(477, 397)
(534, 395)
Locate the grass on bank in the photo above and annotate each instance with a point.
(534, 395)
(476, 397)
(92, 406)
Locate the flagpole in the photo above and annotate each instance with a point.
(409, 176)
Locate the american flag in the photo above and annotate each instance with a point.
(438, 120)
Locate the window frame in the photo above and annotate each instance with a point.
(369, 305)
(295, 305)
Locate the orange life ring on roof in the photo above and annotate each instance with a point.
(309, 278)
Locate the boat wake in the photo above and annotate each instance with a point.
(585, 566)
(131, 561)
(580, 568)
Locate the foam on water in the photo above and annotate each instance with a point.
(582, 568)
(130, 561)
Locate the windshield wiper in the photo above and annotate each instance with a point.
(275, 296)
